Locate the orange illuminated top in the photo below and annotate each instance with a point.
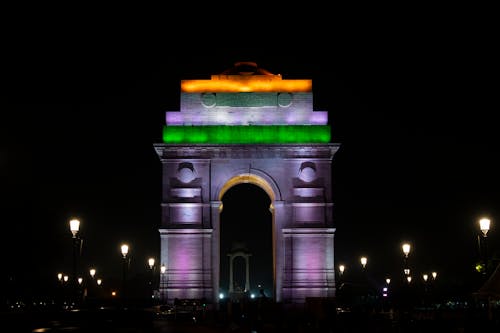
(246, 77)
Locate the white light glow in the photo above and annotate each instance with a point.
(364, 261)
(151, 262)
(124, 249)
(406, 249)
(74, 226)
(484, 225)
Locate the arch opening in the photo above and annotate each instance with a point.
(246, 226)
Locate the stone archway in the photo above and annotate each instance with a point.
(245, 126)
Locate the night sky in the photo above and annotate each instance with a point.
(410, 100)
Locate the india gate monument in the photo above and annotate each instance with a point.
(247, 125)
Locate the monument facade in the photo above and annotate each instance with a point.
(247, 125)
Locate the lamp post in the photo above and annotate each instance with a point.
(163, 286)
(151, 263)
(91, 290)
(74, 227)
(124, 250)
(484, 226)
(406, 247)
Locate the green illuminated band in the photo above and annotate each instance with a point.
(247, 134)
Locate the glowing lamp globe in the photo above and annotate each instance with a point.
(406, 249)
(74, 226)
(484, 225)
(151, 262)
(124, 249)
(363, 260)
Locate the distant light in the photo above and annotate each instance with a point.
(388, 280)
(252, 295)
(124, 249)
(434, 274)
(74, 226)
(151, 262)
(384, 289)
(59, 276)
(80, 280)
(364, 260)
(406, 249)
(408, 278)
(99, 282)
(92, 272)
(484, 225)
(163, 269)
(221, 296)
(341, 269)
(113, 293)
(384, 295)
(66, 278)
(407, 271)
(425, 277)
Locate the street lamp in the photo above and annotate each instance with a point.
(91, 288)
(124, 250)
(408, 278)
(151, 263)
(163, 271)
(341, 269)
(434, 275)
(59, 276)
(74, 227)
(425, 277)
(388, 281)
(406, 251)
(484, 226)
